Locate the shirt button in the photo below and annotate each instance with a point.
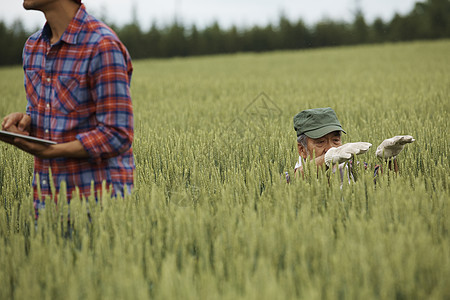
(44, 182)
(48, 105)
(48, 79)
(46, 130)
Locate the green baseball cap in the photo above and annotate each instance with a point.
(316, 122)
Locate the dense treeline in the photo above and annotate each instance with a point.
(427, 20)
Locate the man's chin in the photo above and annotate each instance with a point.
(28, 5)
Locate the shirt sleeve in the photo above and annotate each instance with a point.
(110, 73)
(25, 83)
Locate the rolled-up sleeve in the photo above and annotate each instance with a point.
(110, 74)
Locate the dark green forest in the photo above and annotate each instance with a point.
(427, 20)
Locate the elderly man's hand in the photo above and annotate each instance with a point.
(345, 152)
(392, 147)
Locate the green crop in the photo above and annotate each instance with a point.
(212, 216)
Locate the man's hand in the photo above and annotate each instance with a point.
(392, 147)
(20, 123)
(17, 122)
(345, 152)
(37, 149)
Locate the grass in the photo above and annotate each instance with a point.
(211, 215)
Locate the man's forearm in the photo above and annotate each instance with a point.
(73, 149)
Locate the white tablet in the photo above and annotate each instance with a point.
(26, 137)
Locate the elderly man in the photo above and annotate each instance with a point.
(319, 137)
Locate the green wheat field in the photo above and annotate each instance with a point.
(211, 215)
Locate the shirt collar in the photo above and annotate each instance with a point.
(299, 163)
(70, 35)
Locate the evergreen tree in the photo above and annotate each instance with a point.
(427, 20)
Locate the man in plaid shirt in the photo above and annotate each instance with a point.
(77, 82)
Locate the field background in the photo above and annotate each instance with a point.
(211, 215)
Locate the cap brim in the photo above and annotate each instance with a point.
(320, 132)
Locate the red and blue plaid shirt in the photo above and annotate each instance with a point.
(79, 88)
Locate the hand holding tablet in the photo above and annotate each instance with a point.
(17, 125)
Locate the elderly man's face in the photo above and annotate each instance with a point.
(318, 147)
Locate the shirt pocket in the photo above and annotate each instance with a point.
(33, 86)
(69, 96)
